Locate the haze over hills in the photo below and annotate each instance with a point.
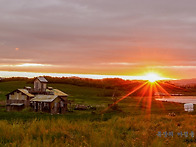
(184, 81)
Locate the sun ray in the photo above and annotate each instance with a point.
(149, 100)
(162, 89)
(158, 102)
(175, 86)
(146, 93)
(134, 90)
(144, 89)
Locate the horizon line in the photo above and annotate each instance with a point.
(9, 74)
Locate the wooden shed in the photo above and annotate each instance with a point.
(18, 99)
(49, 103)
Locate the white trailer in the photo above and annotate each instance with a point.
(189, 107)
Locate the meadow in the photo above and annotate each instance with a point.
(132, 124)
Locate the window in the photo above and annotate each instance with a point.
(62, 104)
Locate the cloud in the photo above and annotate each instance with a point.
(32, 64)
(76, 34)
(120, 63)
(14, 60)
(26, 65)
(175, 67)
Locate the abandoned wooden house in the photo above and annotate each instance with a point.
(18, 99)
(40, 98)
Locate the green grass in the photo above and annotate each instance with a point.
(132, 125)
(85, 95)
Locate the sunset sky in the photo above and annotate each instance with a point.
(108, 37)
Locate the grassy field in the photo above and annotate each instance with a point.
(133, 124)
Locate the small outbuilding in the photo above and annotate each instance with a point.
(189, 107)
(18, 99)
(49, 103)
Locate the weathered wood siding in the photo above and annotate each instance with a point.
(39, 86)
(18, 97)
(57, 106)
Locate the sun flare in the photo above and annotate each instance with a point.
(153, 77)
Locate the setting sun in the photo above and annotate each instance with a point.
(153, 77)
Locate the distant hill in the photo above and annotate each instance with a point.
(184, 82)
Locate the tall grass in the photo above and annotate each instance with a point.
(118, 131)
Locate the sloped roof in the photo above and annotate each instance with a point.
(56, 92)
(42, 79)
(44, 98)
(26, 92)
(59, 93)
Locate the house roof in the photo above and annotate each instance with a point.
(42, 79)
(24, 91)
(56, 92)
(59, 93)
(44, 98)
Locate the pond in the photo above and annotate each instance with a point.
(179, 99)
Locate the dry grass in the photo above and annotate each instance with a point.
(118, 131)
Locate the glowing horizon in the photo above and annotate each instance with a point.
(7, 74)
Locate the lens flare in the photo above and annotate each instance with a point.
(147, 92)
(153, 77)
